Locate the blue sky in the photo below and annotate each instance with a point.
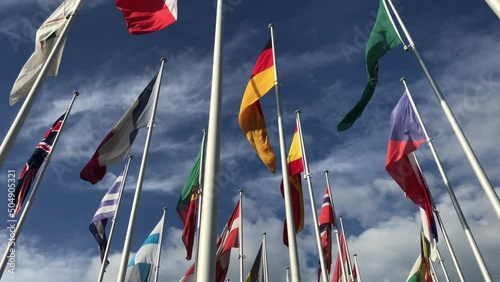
(110, 67)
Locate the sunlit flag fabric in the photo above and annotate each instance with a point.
(256, 274)
(251, 119)
(46, 37)
(295, 167)
(338, 272)
(405, 137)
(326, 219)
(141, 266)
(429, 227)
(384, 37)
(187, 206)
(147, 16)
(227, 240)
(105, 211)
(116, 145)
(34, 163)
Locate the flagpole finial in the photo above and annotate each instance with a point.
(240, 191)
(204, 131)
(355, 255)
(340, 215)
(271, 25)
(264, 233)
(76, 93)
(130, 156)
(403, 79)
(164, 208)
(163, 59)
(297, 111)
(325, 171)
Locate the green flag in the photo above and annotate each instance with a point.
(384, 38)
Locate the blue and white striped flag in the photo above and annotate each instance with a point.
(141, 266)
(106, 210)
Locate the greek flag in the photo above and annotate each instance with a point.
(106, 210)
(141, 266)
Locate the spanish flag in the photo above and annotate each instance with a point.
(295, 167)
(251, 118)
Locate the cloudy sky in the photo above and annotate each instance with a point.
(320, 53)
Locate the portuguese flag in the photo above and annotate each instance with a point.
(187, 206)
(251, 118)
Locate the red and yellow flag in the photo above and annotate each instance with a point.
(295, 167)
(251, 118)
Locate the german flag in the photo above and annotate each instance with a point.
(251, 118)
(295, 167)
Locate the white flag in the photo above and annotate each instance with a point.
(46, 37)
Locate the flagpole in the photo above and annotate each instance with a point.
(131, 223)
(441, 262)
(23, 113)
(287, 274)
(356, 265)
(433, 271)
(346, 246)
(456, 205)
(200, 200)
(157, 268)
(208, 229)
(115, 218)
(336, 231)
(32, 196)
(307, 175)
(241, 256)
(292, 241)
(474, 162)
(264, 254)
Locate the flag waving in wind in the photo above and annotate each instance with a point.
(326, 219)
(34, 163)
(295, 167)
(147, 16)
(384, 38)
(116, 145)
(251, 118)
(141, 266)
(107, 209)
(46, 37)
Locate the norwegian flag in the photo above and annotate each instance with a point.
(36, 160)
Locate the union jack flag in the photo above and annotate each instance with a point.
(36, 160)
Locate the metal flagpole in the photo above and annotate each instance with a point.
(140, 178)
(208, 229)
(433, 272)
(31, 198)
(307, 175)
(115, 218)
(23, 113)
(287, 274)
(456, 205)
(346, 246)
(292, 241)
(441, 262)
(200, 200)
(474, 162)
(241, 256)
(336, 231)
(264, 256)
(356, 265)
(157, 267)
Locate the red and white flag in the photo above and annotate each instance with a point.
(338, 273)
(147, 16)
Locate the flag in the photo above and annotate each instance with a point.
(355, 271)
(34, 163)
(429, 228)
(326, 219)
(106, 210)
(227, 240)
(251, 119)
(141, 266)
(147, 16)
(45, 40)
(338, 272)
(187, 206)
(116, 145)
(384, 37)
(421, 269)
(406, 136)
(257, 274)
(295, 167)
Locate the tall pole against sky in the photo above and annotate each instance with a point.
(474, 162)
(205, 270)
(290, 225)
